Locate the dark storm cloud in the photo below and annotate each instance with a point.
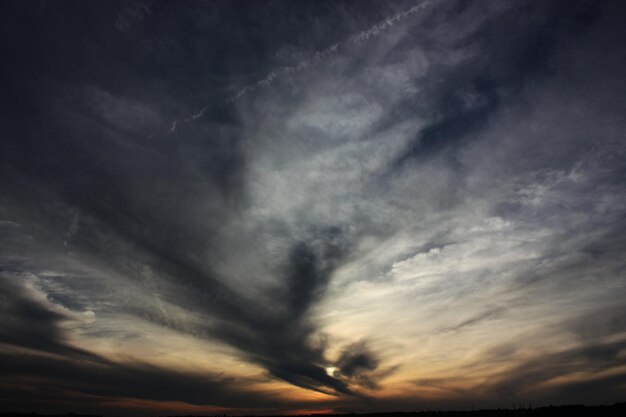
(103, 378)
(275, 333)
(143, 194)
(357, 364)
(92, 174)
(356, 359)
(33, 323)
(281, 340)
(30, 324)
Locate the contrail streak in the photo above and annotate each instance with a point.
(358, 38)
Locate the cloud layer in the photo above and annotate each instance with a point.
(360, 206)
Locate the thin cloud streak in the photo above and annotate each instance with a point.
(318, 56)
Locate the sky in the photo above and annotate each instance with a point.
(284, 207)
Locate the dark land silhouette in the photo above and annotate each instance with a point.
(618, 409)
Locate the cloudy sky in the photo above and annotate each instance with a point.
(293, 206)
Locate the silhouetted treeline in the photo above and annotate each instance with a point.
(616, 410)
(32, 414)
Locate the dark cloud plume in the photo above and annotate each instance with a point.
(357, 364)
(282, 341)
(103, 378)
(31, 324)
(54, 362)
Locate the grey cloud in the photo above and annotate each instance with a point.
(526, 378)
(384, 149)
(358, 364)
(30, 323)
(491, 313)
(37, 324)
(281, 342)
(114, 380)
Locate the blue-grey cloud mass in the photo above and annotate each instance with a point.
(298, 206)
